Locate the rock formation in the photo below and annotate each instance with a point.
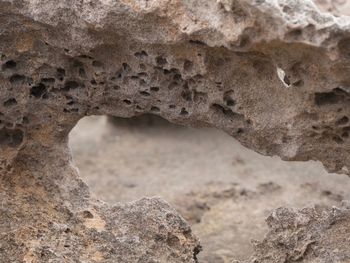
(305, 235)
(273, 74)
(336, 7)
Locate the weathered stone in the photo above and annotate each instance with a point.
(47, 215)
(306, 235)
(336, 7)
(273, 74)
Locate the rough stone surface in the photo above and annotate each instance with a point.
(47, 215)
(336, 7)
(225, 193)
(306, 235)
(273, 74)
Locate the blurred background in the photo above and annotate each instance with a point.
(222, 189)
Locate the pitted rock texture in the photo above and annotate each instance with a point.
(273, 74)
(336, 7)
(48, 215)
(305, 235)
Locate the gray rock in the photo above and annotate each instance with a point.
(48, 215)
(305, 235)
(273, 74)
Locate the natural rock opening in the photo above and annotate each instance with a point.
(224, 191)
(195, 63)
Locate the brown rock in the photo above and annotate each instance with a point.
(273, 74)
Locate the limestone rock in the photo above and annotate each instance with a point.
(273, 74)
(336, 7)
(306, 235)
(48, 215)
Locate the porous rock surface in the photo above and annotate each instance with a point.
(48, 215)
(336, 7)
(305, 235)
(273, 74)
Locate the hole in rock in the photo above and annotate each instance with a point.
(38, 91)
(342, 121)
(155, 109)
(97, 64)
(283, 77)
(10, 64)
(61, 73)
(161, 61)
(145, 93)
(10, 102)
(69, 85)
(155, 89)
(188, 65)
(222, 189)
(142, 54)
(16, 78)
(11, 137)
(326, 98)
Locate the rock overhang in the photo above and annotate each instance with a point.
(273, 74)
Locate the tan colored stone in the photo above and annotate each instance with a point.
(273, 74)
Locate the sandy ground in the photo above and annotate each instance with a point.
(224, 190)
